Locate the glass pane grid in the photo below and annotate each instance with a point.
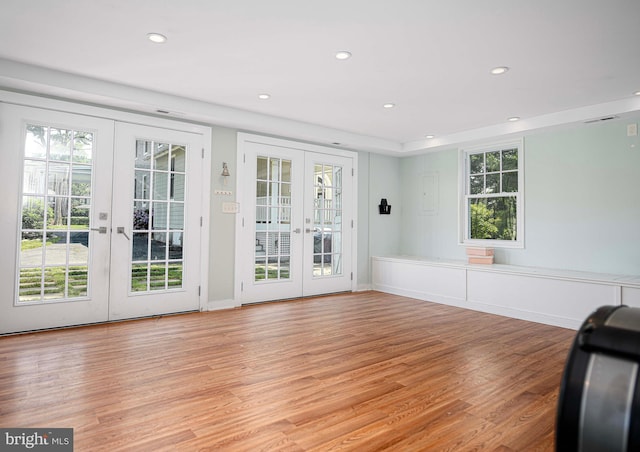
(493, 218)
(273, 219)
(55, 214)
(493, 172)
(492, 195)
(158, 217)
(327, 214)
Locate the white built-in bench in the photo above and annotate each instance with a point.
(555, 297)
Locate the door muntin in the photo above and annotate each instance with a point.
(55, 214)
(158, 216)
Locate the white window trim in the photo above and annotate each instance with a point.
(463, 220)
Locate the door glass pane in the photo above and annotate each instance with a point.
(143, 154)
(178, 161)
(142, 184)
(327, 220)
(140, 247)
(139, 277)
(161, 156)
(140, 215)
(36, 141)
(158, 216)
(160, 185)
(55, 214)
(60, 144)
(286, 171)
(158, 276)
(82, 147)
(59, 178)
(81, 180)
(273, 219)
(34, 177)
(56, 252)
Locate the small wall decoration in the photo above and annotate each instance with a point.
(384, 207)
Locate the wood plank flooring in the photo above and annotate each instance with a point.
(365, 371)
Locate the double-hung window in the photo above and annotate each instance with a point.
(493, 203)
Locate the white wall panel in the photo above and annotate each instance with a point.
(414, 279)
(565, 301)
(631, 296)
(559, 298)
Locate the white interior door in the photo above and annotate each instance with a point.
(156, 222)
(296, 223)
(101, 229)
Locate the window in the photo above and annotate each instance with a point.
(492, 205)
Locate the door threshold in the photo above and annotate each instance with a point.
(105, 322)
(306, 297)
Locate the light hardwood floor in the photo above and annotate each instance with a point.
(365, 371)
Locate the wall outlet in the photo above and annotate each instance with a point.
(632, 130)
(229, 207)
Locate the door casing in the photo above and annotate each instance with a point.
(243, 248)
(12, 164)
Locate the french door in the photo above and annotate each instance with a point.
(155, 250)
(296, 221)
(103, 228)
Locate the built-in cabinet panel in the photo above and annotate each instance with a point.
(631, 296)
(413, 279)
(543, 299)
(553, 297)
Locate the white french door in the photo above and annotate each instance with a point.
(296, 222)
(155, 222)
(102, 229)
(57, 170)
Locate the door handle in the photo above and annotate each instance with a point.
(101, 229)
(297, 230)
(120, 230)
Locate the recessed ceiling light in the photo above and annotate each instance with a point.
(499, 70)
(637, 93)
(156, 37)
(264, 96)
(513, 119)
(343, 55)
(430, 136)
(389, 105)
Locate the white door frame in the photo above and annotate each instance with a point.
(244, 249)
(10, 218)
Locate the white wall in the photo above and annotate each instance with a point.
(430, 225)
(222, 232)
(384, 182)
(362, 223)
(582, 202)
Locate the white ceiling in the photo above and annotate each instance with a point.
(432, 58)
